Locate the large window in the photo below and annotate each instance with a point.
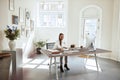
(51, 13)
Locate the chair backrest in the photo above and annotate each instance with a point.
(50, 45)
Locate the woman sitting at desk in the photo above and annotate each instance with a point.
(59, 45)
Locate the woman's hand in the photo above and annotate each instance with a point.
(61, 49)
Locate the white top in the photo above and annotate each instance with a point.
(58, 46)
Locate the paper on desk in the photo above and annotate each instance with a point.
(70, 51)
(54, 51)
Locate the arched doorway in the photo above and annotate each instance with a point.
(90, 22)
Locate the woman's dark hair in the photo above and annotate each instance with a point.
(60, 39)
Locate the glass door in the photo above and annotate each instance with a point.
(90, 29)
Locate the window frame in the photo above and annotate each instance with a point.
(51, 14)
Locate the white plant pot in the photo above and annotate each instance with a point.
(12, 45)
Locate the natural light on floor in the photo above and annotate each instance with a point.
(36, 63)
(29, 66)
(46, 62)
(43, 67)
(27, 60)
(43, 64)
(91, 64)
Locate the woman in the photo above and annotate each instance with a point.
(59, 45)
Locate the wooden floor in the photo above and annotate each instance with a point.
(37, 69)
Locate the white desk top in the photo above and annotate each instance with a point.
(72, 52)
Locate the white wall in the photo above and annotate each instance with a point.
(3, 21)
(73, 25)
(74, 8)
(6, 19)
(116, 31)
(74, 13)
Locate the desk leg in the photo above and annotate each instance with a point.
(96, 62)
(56, 69)
(50, 64)
(86, 59)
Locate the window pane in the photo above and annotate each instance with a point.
(60, 20)
(51, 13)
(90, 25)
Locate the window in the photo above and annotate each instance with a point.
(51, 13)
(91, 25)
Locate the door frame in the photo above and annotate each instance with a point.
(81, 24)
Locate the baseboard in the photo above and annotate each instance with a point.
(115, 59)
(104, 57)
(109, 58)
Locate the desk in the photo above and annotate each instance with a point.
(71, 52)
(5, 60)
(16, 64)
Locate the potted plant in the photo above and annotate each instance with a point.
(39, 45)
(12, 33)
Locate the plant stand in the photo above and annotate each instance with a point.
(38, 50)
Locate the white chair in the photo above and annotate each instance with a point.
(50, 45)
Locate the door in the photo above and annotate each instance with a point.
(90, 28)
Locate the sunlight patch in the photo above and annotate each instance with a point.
(29, 66)
(91, 64)
(46, 62)
(26, 60)
(37, 61)
(43, 67)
